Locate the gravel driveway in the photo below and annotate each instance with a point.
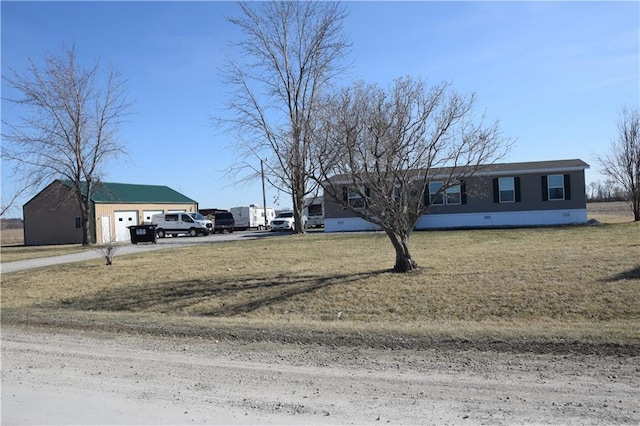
(128, 248)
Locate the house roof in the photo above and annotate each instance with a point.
(534, 167)
(502, 169)
(108, 192)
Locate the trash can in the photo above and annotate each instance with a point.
(145, 233)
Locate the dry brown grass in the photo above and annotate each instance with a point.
(11, 237)
(578, 283)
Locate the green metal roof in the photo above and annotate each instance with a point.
(107, 192)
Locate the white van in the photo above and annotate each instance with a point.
(175, 224)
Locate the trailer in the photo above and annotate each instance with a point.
(314, 211)
(252, 217)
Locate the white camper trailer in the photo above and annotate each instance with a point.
(252, 217)
(314, 211)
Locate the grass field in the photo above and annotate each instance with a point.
(578, 284)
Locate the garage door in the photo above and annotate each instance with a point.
(124, 219)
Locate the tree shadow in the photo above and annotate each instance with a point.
(631, 274)
(237, 296)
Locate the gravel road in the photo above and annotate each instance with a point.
(74, 377)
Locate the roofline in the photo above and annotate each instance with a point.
(441, 171)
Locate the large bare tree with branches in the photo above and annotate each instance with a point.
(68, 130)
(622, 163)
(291, 51)
(377, 150)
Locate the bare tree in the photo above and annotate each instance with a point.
(293, 50)
(69, 129)
(622, 164)
(378, 149)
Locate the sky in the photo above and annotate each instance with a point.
(555, 74)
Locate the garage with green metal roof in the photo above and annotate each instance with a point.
(53, 215)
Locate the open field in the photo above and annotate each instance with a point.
(12, 248)
(530, 287)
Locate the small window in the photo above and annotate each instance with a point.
(436, 196)
(507, 190)
(315, 210)
(171, 218)
(450, 196)
(453, 195)
(354, 198)
(187, 218)
(555, 183)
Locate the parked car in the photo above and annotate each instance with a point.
(284, 221)
(174, 224)
(223, 221)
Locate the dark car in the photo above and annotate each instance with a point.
(223, 221)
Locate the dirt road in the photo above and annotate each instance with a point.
(74, 377)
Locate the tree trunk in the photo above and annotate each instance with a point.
(87, 235)
(298, 190)
(404, 262)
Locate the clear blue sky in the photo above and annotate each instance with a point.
(555, 74)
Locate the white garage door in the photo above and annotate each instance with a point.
(124, 219)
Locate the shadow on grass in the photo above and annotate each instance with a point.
(218, 298)
(631, 274)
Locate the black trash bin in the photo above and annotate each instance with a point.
(145, 233)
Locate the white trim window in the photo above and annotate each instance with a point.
(507, 190)
(451, 196)
(354, 198)
(555, 185)
(436, 197)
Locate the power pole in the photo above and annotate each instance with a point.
(264, 197)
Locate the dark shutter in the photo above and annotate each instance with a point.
(345, 195)
(463, 192)
(496, 191)
(545, 189)
(567, 187)
(516, 184)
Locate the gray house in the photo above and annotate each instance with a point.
(540, 193)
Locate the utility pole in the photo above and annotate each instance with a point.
(264, 197)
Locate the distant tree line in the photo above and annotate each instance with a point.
(607, 190)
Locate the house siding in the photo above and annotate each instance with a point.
(480, 208)
(50, 217)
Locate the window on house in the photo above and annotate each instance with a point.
(556, 187)
(454, 195)
(354, 198)
(436, 197)
(397, 188)
(506, 190)
(78, 223)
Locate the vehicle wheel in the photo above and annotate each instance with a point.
(193, 232)
(230, 231)
(160, 233)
